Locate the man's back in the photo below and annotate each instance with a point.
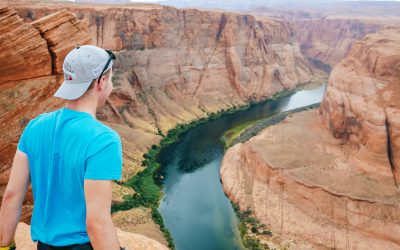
(65, 147)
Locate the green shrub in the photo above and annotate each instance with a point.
(246, 218)
(267, 232)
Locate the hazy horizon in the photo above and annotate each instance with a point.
(239, 4)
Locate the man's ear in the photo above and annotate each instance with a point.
(102, 83)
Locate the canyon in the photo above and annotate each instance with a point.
(163, 78)
(173, 66)
(329, 39)
(325, 33)
(328, 178)
(321, 179)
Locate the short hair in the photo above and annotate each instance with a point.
(93, 83)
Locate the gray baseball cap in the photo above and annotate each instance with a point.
(81, 66)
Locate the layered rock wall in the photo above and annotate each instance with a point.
(301, 183)
(62, 32)
(176, 65)
(193, 38)
(329, 177)
(329, 39)
(361, 104)
(27, 78)
(22, 48)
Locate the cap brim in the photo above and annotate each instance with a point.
(72, 91)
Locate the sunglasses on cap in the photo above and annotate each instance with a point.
(112, 57)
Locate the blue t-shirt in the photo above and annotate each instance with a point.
(65, 147)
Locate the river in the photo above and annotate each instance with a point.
(194, 206)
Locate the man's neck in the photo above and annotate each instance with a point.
(85, 105)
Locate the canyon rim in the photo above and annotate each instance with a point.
(178, 65)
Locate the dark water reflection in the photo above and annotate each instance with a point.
(194, 207)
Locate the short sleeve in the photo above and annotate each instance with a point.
(26, 134)
(104, 158)
(22, 144)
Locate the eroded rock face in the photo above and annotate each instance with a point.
(330, 178)
(177, 65)
(62, 32)
(231, 60)
(27, 80)
(329, 39)
(301, 182)
(24, 52)
(326, 34)
(361, 104)
(196, 51)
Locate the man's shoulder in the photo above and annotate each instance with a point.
(104, 137)
(45, 117)
(40, 118)
(103, 129)
(96, 127)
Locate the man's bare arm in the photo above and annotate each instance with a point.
(13, 198)
(102, 234)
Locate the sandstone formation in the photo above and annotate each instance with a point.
(63, 32)
(329, 39)
(22, 48)
(128, 240)
(361, 104)
(326, 33)
(329, 178)
(139, 221)
(27, 80)
(300, 182)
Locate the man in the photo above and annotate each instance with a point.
(70, 159)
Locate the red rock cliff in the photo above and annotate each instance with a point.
(168, 47)
(328, 179)
(326, 34)
(329, 39)
(361, 104)
(28, 79)
(177, 65)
